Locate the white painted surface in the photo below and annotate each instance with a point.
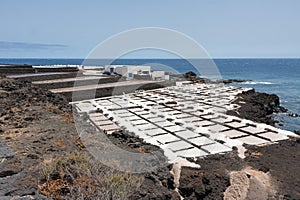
(194, 128)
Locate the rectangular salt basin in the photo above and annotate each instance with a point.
(216, 148)
(252, 129)
(155, 131)
(252, 140)
(138, 122)
(182, 115)
(207, 107)
(204, 123)
(233, 133)
(221, 120)
(109, 127)
(164, 123)
(166, 109)
(126, 115)
(146, 126)
(199, 141)
(166, 138)
(179, 145)
(190, 153)
(157, 119)
(121, 111)
(208, 117)
(217, 128)
(133, 118)
(274, 136)
(126, 104)
(174, 128)
(102, 123)
(135, 109)
(95, 115)
(173, 112)
(98, 118)
(186, 134)
(142, 112)
(191, 119)
(235, 124)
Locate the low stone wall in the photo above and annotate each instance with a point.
(60, 69)
(78, 83)
(109, 91)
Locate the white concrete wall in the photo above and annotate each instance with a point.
(137, 70)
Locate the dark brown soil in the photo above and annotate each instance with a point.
(280, 160)
(212, 179)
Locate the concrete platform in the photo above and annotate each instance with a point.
(101, 86)
(81, 78)
(92, 91)
(36, 74)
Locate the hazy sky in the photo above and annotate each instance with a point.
(71, 29)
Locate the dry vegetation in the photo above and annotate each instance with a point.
(76, 176)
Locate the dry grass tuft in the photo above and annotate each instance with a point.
(68, 118)
(60, 143)
(79, 143)
(76, 176)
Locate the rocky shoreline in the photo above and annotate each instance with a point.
(257, 106)
(38, 127)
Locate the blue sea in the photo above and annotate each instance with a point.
(277, 76)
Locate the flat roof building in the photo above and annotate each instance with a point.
(129, 70)
(137, 72)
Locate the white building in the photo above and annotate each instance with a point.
(129, 70)
(160, 75)
(137, 71)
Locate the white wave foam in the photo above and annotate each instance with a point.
(257, 82)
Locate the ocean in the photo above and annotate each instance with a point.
(276, 76)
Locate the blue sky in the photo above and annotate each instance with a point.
(71, 29)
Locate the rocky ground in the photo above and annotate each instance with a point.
(49, 160)
(257, 106)
(38, 127)
(268, 172)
